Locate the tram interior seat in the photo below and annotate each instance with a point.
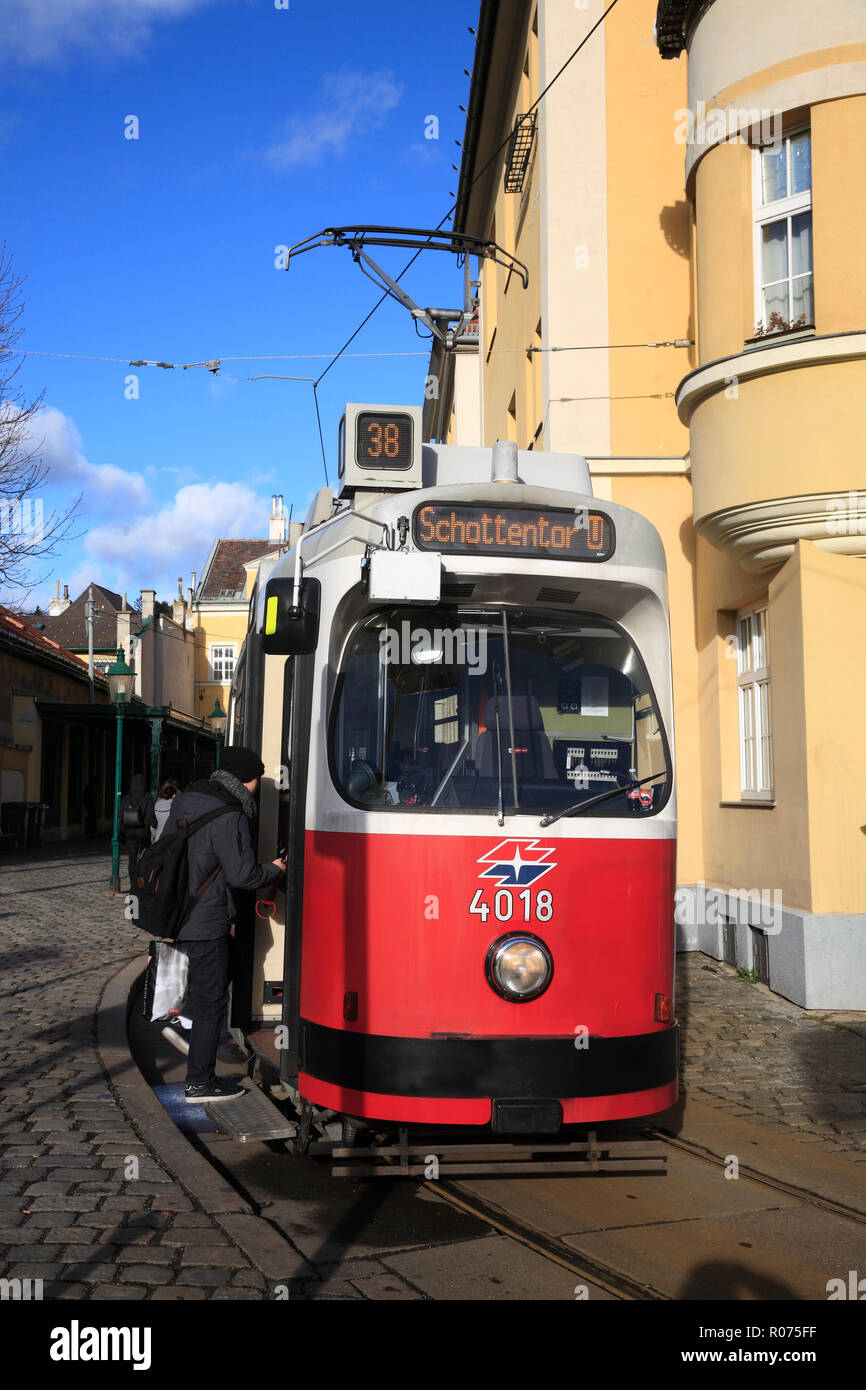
(533, 751)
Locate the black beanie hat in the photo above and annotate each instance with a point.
(243, 763)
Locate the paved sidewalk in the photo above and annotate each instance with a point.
(755, 1054)
(87, 1208)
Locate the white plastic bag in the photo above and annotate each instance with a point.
(172, 972)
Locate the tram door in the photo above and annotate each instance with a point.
(295, 740)
(260, 703)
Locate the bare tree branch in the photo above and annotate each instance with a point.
(27, 535)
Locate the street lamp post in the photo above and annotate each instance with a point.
(120, 681)
(217, 718)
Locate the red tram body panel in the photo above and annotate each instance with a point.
(392, 914)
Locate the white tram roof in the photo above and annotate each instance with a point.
(446, 464)
(462, 474)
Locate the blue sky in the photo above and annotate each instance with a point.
(257, 127)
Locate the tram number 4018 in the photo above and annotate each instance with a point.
(504, 909)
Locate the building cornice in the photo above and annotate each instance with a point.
(761, 535)
(501, 33)
(765, 360)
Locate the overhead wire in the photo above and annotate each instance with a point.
(214, 364)
(494, 156)
(311, 356)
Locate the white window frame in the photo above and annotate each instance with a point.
(750, 680)
(229, 649)
(780, 210)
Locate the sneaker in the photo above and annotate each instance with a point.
(175, 1033)
(211, 1091)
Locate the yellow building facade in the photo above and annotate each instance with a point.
(688, 200)
(220, 604)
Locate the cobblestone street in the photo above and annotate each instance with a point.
(70, 1216)
(88, 1209)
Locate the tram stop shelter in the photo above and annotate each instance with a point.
(158, 740)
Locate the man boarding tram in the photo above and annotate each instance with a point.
(223, 851)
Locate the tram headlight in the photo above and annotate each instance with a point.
(519, 967)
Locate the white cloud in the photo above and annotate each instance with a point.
(354, 103)
(424, 152)
(176, 539)
(38, 31)
(56, 440)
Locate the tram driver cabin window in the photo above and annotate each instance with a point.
(474, 710)
(222, 663)
(755, 709)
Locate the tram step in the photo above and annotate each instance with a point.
(252, 1116)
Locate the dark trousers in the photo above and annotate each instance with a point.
(206, 1001)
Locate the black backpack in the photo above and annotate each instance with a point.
(132, 816)
(161, 901)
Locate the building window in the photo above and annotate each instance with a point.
(222, 663)
(756, 729)
(784, 289)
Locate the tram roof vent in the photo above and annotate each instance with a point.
(505, 462)
(548, 594)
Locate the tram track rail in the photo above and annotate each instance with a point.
(550, 1247)
(800, 1194)
(613, 1281)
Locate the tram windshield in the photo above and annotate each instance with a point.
(527, 711)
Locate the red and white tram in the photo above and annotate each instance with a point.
(460, 683)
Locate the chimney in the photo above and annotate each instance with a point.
(59, 605)
(277, 529)
(178, 608)
(148, 600)
(124, 631)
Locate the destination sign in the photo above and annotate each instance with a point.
(527, 531)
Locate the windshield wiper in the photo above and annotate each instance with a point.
(603, 796)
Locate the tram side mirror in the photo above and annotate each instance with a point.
(290, 631)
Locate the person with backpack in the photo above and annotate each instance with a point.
(220, 857)
(136, 818)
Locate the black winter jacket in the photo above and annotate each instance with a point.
(225, 843)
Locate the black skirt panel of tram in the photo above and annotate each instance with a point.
(471, 1068)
